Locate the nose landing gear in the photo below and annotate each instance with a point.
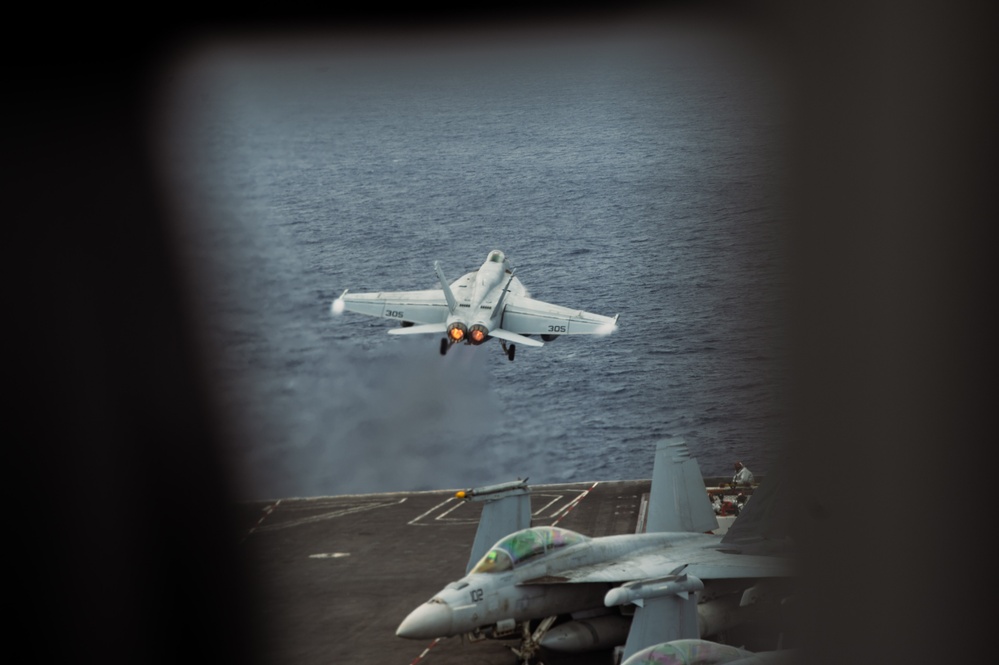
(530, 644)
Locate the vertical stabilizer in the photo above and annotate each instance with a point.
(498, 307)
(452, 303)
(506, 508)
(764, 525)
(678, 500)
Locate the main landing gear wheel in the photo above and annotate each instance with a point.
(509, 351)
(444, 345)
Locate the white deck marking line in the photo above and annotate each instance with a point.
(328, 516)
(439, 505)
(454, 507)
(558, 514)
(572, 504)
(548, 505)
(267, 511)
(642, 516)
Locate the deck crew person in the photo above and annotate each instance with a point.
(743, 477)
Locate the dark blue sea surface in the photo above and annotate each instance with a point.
(622, 170)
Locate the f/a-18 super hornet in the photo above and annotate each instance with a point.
(489, 302)
(674, 580)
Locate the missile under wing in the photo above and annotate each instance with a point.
(542, 572)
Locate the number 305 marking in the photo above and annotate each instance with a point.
(556, 329)
(394, 313)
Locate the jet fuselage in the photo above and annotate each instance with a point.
(479, 311)
(533, 589)
(487, 303)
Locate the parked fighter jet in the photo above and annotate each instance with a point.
(673, 573)
(490, 302)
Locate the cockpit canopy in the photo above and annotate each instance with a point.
(521, 546)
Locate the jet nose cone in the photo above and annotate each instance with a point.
(427, 621)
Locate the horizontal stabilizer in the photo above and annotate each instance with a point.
(514, 337)
(419, 330)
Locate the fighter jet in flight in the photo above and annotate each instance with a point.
(684, 581)
(489, 302)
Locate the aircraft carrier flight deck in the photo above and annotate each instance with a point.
(338, 574)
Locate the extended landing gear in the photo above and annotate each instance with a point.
(445, 345)
(530, 644)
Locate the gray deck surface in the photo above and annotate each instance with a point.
(338, 574)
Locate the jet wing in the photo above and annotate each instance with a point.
(526, 316)
(425, 307)
(707, 564)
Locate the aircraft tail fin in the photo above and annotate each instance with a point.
(678, 500)
(764, 525)
(452, 303)
(506, 508)
(506, 290)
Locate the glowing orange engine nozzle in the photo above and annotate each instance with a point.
(456, 332)
(478, 334)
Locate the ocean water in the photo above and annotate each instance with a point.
(623, 169)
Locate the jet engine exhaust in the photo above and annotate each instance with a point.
(478, 334)
(456, 332)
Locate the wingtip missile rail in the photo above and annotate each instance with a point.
(338, 305)
(490, 492)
